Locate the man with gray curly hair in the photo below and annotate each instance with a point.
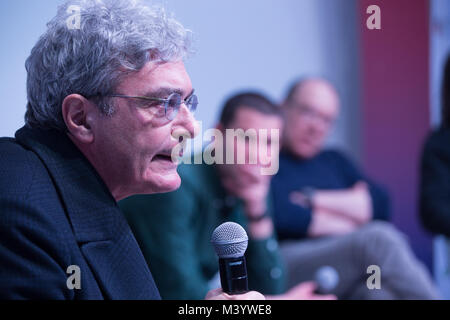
(108, 99)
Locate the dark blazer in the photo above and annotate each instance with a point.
(55, 212)
(435, 183)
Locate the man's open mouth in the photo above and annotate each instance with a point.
(163, 157)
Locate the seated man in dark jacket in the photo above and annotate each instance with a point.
(435, 169)
(99, 127)
(174, 229)
(325, 207)
(435, 182)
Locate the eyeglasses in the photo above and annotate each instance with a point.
(171, 105)
(312, 115)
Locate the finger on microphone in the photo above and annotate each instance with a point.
(251, 295)
(218, 294)
(213, 294)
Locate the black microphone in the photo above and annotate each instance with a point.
(327, 279)
(230, 242)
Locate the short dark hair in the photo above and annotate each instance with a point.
(445, 95)
(251, 100)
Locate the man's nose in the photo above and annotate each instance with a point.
(185, 123)
(318, 124)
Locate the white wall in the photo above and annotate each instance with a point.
(21, 24)
(260, 44)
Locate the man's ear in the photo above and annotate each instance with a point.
(76, 111)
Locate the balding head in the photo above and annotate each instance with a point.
(312, 105)
(315, 90)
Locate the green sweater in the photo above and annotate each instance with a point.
(174, 231)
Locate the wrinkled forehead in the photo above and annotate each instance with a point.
(155, 77)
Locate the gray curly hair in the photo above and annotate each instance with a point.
(114, 38)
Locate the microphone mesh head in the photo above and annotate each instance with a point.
(229, 240)
(327, 279)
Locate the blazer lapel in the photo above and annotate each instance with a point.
(119, 268)
(100, 228)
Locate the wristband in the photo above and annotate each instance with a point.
(308, 192)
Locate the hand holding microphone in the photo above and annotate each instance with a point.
(230, 243)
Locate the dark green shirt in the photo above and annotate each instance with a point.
(174, 231)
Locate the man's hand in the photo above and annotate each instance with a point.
(218, 294)
(299, 198)
(336, 212)
(251, 187)
(303, 291)
(325, 223)
(354, 203)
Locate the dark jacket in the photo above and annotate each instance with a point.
(55, 212)
(435, 183)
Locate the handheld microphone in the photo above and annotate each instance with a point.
(230, 242)
(327, 279)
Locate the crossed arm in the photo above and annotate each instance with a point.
(337, 211)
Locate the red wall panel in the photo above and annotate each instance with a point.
(395, 106)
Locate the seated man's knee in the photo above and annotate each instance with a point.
(381, 233)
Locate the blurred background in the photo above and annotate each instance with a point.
(388, 79)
